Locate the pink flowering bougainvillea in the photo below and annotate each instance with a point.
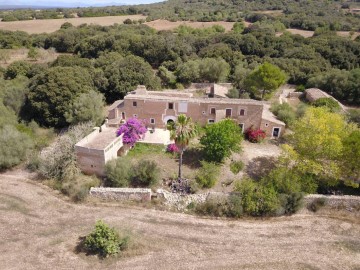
(133, 130)
(255, 135)
(172, 148)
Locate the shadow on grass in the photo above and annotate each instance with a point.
(260, 167)
(192, 157)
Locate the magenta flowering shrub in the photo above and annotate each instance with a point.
(172, 148)
(255, 135)
(133, 130)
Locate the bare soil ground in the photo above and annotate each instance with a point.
(168, 25)
(40, 230)
(51, 25)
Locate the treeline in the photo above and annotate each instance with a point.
(304, 14)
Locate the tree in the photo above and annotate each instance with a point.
(264, 80)
(214, 70)
(132, 131)
(182, 131)
(350, 157)
(33, 53)
(125, 74)
(53, 92)
(220, 139)
(87, 107)
(17, 68)
(316, 145)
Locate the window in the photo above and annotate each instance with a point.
(212, 111)
(211, 121)
(183, 106)
(134, 104)
(266, 124)
(242, 112)
(276, 132)
(135, 115)
(123, 115)
(152, 121)
(203, 112)
(228, 112)
(171, 106)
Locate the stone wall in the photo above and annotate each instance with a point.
(122, 194)
(339, 202)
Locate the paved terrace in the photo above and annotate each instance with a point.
(101, 140)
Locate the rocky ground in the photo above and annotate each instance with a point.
(39, 229)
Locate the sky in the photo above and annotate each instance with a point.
(73, 2)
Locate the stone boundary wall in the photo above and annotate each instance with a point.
(122, 194)
(346, 201)
(180, 201)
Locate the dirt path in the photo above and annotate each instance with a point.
(39, 230)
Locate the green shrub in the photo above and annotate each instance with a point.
(287, 181)
(221, 207)
(329, 103)
(300, 88)
(78, 187)
(145, 173)
(104, 241)
(14, 147)
(354, 116)
(236, 166)
(256, 199)
(118, 172)
(17, 68)
(316, 204)
(207, 175)
(220, 139)
(284, 112)
(290, 203)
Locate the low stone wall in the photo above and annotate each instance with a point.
(179, 201)
(122, 194)
(295, 94)
(343, 202)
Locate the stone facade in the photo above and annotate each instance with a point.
(160, 107)
(100, 146)
(122, 194)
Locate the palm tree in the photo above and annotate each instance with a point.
(182, 131)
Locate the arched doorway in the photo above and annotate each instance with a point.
(169, 119)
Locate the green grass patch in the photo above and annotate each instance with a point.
(141, 149)
(236, 166)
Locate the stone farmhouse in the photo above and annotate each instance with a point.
(158, 108)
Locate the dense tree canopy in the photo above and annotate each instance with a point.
(53, 92)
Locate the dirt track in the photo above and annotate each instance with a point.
(39, 230)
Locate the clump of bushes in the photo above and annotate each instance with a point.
(219, 207)
(329, 103)
(121, 173)
(255, 135)
(207, 175)
(78, 188)
(145, 173)
(105, 241)
(14, 147)
(284, 112)
(316, 204)
(236, 166)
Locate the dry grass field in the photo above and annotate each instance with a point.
(51, 25)
(13, 55)
(39, 229)
(168, 25)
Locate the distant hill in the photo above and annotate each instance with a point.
(59, 5)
